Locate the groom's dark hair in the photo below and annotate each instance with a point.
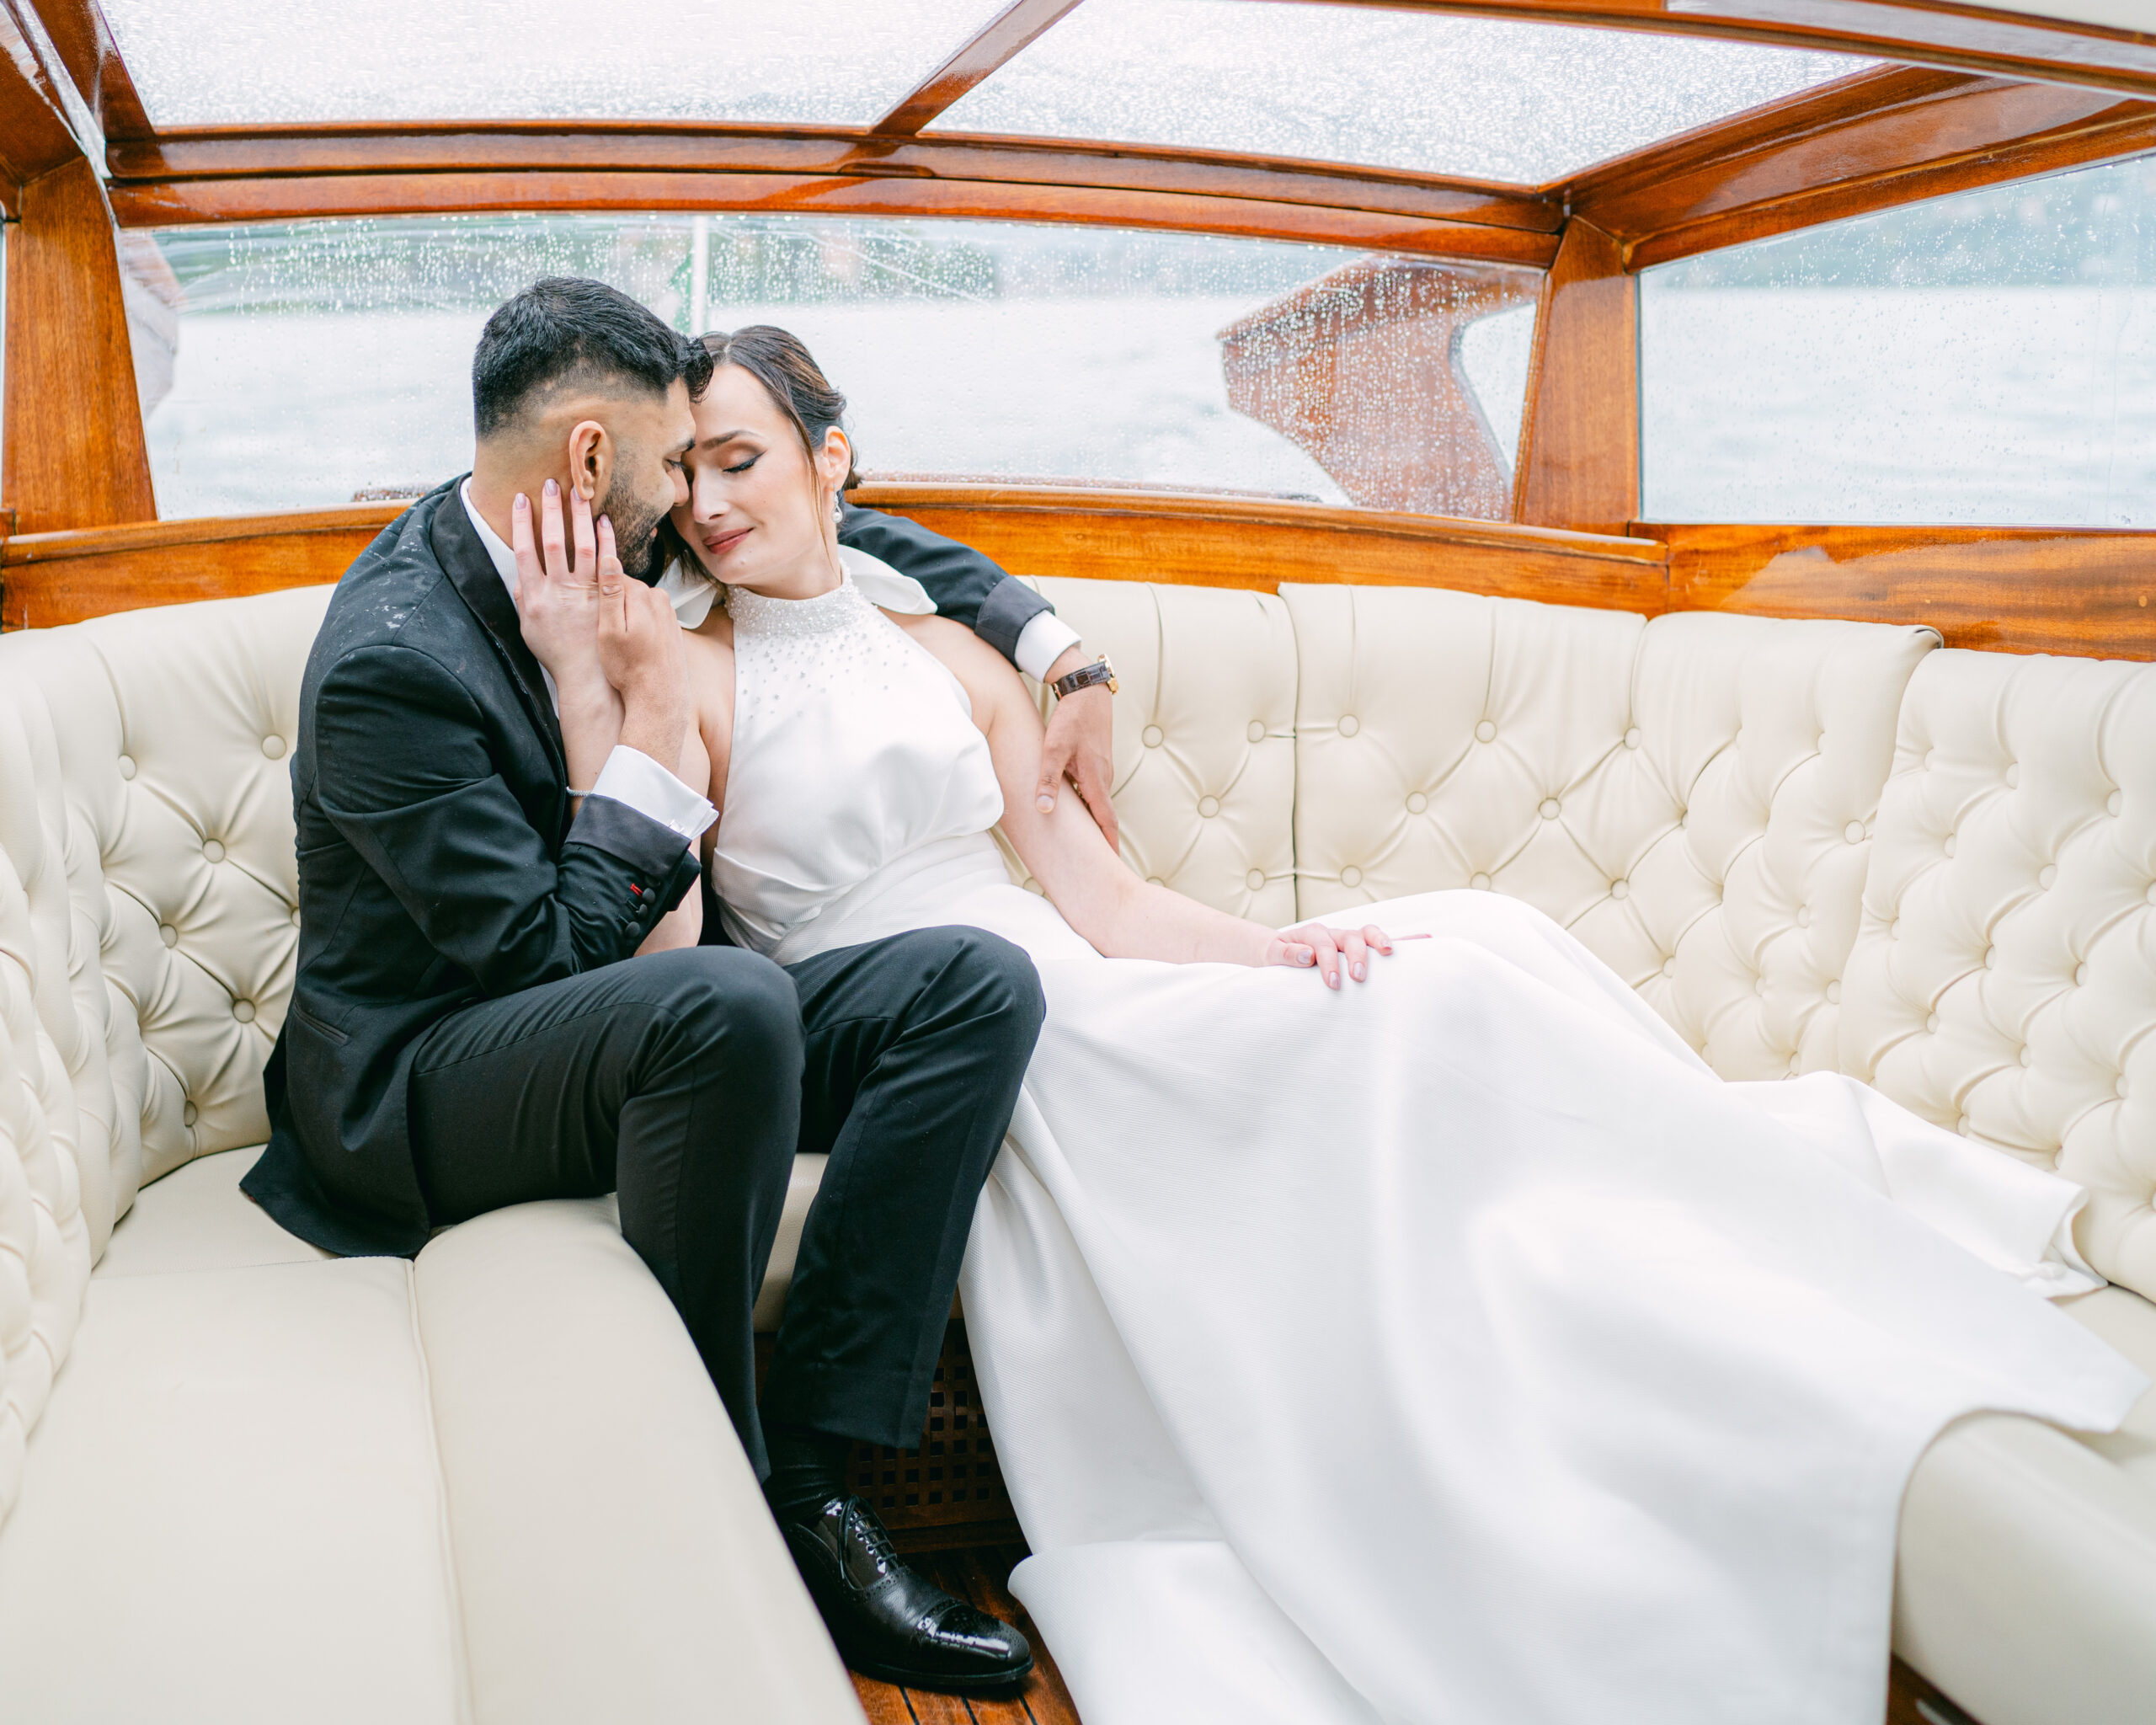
(567, 329)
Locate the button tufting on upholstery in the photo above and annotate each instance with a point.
(1759, 985)
(2047, 876)
(2013, 773)
(273, 747)
(1834, 993)
(1480, 883)
(1255, 879)
(1208, 806)
(243, 1010)
(1949, 846)
(2080, 975)
(2114, 803)
(1961, 1125)
(1853, 832)
(2122, 1084)
(2151, 894)
(296, 915)
(127, 766)
(1795, 1064)
(1991, 958)
(2024, 1056)
(1416, 803)
(1669, 965)
(1349, 724)
(1256, 730)
(1152, 736)
(1351, 876)
(212, 851)
(189, 1113)
(1632, 738)
(1620, 889)
(1804, 915)
(168, 934)
(1151, 880)
(1932, 1023)
(1485, 732)
(1549, 808)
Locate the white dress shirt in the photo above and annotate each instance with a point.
(630, 775)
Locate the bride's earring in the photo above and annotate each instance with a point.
(838, 511)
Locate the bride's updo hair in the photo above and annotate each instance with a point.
(790, 375)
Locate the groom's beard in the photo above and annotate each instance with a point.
(636, 543)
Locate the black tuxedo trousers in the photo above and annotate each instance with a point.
(686, 1080)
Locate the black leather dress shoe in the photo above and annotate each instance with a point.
(892, 1624)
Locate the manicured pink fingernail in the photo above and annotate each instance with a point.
(523, 502)
(1358, 972)
(1045, 804)
(552, 489)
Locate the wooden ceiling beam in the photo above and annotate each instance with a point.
(288, 199)
(997, 41)
(1938, 33)
(158, 169)
(1896, 137)
(83, 40)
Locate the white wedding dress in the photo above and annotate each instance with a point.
(1456, 1347)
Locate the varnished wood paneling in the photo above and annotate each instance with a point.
(227, 152)
(1947, 33)
(1231, 542)
(74, 453)
(993, 44)
(62, 578)
(2011, 589)
(35, 134)
(1862, 144)
(84, 42)
(1119, 536)
(425, 193)
(1579, 463)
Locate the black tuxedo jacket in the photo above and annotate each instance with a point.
(438, 862)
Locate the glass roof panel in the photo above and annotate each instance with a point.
(222, 62)
(1482, 98)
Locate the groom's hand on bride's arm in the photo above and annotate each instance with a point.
(1329, 951)
(1079, 747)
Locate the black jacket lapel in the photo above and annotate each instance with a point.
(472, 572)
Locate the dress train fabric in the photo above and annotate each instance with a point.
(1453, 1347)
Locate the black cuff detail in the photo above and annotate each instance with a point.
(687, 869)
(1010, 604)
(651, 848)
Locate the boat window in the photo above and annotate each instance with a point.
(211, 62)
(315, 363)
(1484, 98)
(1988, 357)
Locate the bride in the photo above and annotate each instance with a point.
(1396, 1323)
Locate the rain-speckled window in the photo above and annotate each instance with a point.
(218, 63)
(1990, 357)
(1485, 98)
(310, 364)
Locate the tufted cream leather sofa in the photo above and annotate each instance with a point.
(493, 1483)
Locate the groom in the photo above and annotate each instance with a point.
(464, 1033)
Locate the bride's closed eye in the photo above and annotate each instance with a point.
(744, 467)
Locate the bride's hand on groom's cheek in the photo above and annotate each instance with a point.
(1330, 952)
(639, 648)
(557, 596)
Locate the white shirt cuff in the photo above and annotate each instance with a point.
(1041, 642)
(631, 776)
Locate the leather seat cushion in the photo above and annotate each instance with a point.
(197, 1218)
(173, 1500)
(493, 1485)
(2028, 1556)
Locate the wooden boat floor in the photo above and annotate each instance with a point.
(979, 1573)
